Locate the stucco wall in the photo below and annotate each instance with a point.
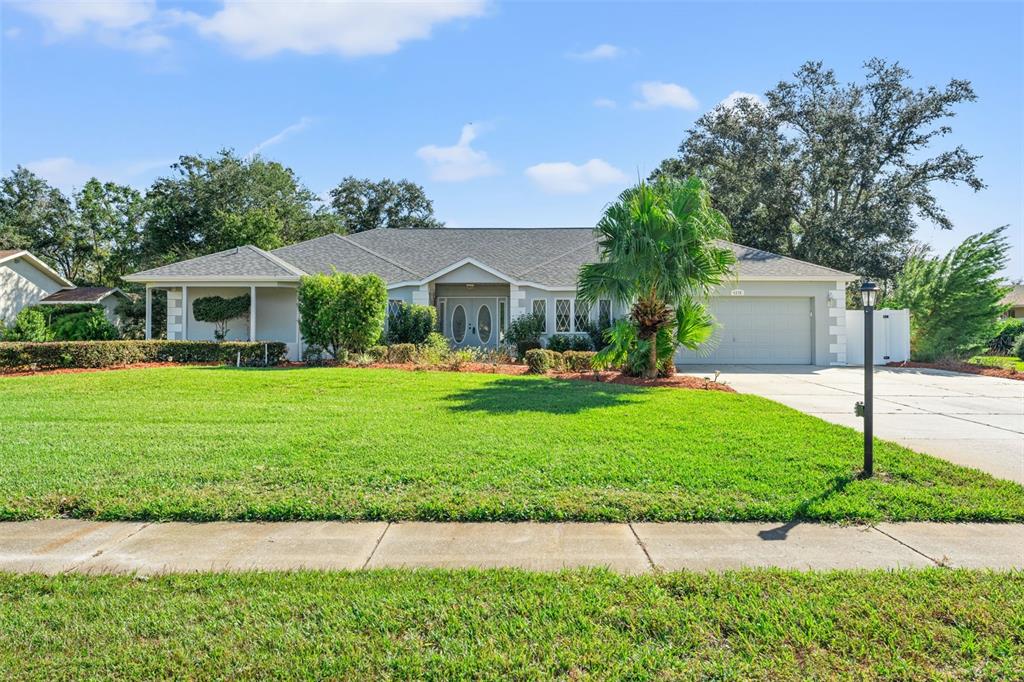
(21, 284)
(828, 308)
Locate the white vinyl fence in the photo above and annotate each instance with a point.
(892, 336)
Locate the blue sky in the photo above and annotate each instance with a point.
(510, 114)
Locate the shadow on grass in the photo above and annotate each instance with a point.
(836, 486)
(551, 396)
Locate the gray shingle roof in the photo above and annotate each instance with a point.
(79, 295)
(546, 256)
(241, 262)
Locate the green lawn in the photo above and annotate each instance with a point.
(1001, 361)
(775, 625)
(214, 443)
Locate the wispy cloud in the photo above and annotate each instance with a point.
(605, 103)
(565, 177)
(297, 127)
(138, 25)
(459, 162)
(601, 52)
(658, 95)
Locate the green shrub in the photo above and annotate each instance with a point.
(88, 325)
(458, 357)
(378, 353)
(433, 351)
(410, 323)
(578, 360)
(598, 333)
(401, 352)
(542, 360)
(91, 354)
(563, 342)
(342, 311)
(524, 333)
(29, 325)
(220, 311)
(1018, 347)
(1007, 333)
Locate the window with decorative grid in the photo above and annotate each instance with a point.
(540, 307)
(582, 316)
(604, 312)
(563, 314)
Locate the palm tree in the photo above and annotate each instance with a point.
(660, 254)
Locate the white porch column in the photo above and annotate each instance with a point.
(184, 312)
(174, 313)
(516, 301)
(837, 325)
(252, 312)
(149, 313)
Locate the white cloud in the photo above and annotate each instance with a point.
(736, 95)
(132, 25)
(459, 162)
(294, 128)
(351, 29)
(564, 177)
(602, 51)
(12, 32)
(656, 95)
(605, 103)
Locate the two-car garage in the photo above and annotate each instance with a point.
(758, 330)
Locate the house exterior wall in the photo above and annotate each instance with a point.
(531, 294)
(21, 285)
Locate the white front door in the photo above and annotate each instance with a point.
(472, 322)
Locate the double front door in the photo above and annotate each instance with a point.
(472, 322)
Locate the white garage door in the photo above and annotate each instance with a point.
(757, 331)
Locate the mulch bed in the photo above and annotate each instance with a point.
(963, 367)
(675, 381)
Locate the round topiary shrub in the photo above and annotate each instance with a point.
(1018, 347)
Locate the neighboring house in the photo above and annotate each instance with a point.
(775, 310)
(25, 280)
(1015, 299)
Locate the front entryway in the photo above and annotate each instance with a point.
(472, 322)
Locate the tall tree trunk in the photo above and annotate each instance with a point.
(652, 358)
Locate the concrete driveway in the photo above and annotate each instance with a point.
(972, 420)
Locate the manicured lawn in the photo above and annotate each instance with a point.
(213, 443)
(1001, 361)
(774, 625)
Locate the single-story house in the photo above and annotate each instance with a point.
(775, 310)
(1015, 299)
(26, 280)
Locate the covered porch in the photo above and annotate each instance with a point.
(273, 312)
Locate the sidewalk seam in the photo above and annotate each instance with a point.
(376, 545)
(98, 552)
(642, 546)
(912, 549)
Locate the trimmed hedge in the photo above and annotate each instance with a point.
(561, 343)
(92, 354)
(401, 352)
(578, 360)
(542, 361)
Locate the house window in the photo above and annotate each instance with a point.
(393, 306)
(582, 315)
(501, 319)
(563, 314)
(604, 312)
(540, 307)
(441, 306)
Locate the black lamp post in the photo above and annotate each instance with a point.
(869, 292)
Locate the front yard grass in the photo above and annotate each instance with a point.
(757, 624)
(205, 443)
(1000, 361)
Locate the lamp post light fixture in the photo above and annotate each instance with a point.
(869, 294)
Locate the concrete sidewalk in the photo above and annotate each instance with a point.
(61, 546)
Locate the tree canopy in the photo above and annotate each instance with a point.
(364, 205)
(831, 173)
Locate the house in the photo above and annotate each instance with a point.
(775, 310)
(1015, 299)
(26, 280)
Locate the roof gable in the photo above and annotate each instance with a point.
(243, 262)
